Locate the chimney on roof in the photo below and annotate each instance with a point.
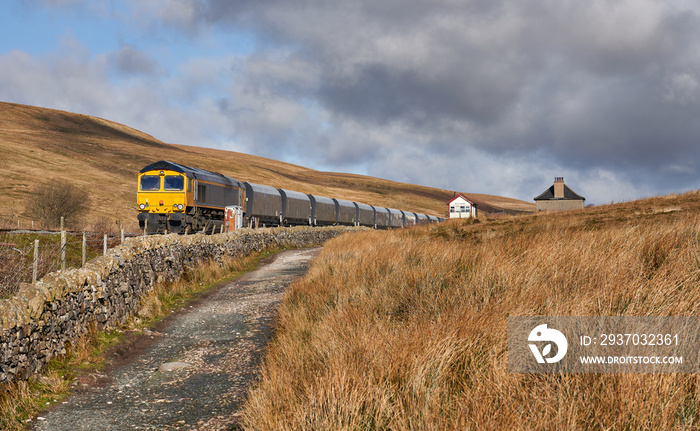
(558, 187)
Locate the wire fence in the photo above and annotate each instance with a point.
(27, 255)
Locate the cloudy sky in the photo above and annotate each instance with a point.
(485, 96)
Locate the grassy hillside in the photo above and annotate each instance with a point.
(104, 157)
(407, 329)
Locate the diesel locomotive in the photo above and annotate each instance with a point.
(176, 198)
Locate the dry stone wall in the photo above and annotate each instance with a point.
(40, 319)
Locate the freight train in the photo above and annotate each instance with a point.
(179, 199)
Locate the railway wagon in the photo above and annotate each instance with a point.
(322, 211)
(346, 212)
(296, 208)
(263, 205)
(421, 218)
(175, 198)
(381, 218)
(409, 219)
(365, 215)
(395, 218)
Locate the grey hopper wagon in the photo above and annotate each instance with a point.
(365, 215)
(322, 211)
(409, 218)
(346, 212)
(296, 208)
(263, 205)
(422, 218)
(395, 218)
(382, 218)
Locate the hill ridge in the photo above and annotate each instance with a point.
(103, 157)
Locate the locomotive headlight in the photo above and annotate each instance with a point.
(179, 206)
(142, 206)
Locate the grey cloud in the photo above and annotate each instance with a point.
(436, 49)
(131, 61)
(379, 94)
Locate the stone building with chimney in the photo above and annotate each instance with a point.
(559, 197)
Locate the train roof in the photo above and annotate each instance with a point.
(362, 206)
(294, 195)
(199, 174)
(344, 203)
(261, 188)
(321, 199)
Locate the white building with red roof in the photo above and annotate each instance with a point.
(461, 207)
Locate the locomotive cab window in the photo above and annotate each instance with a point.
(174, 182)
(150, 182)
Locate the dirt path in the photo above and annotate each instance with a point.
(213, 350)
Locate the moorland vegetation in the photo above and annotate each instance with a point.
(407, 329)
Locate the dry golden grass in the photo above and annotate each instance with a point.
(19, 401)
(103, 158)
(408, 329)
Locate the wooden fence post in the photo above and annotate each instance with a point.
(35, 266)
(105, 246)
(122, 235)
(84, 249)
(63, 247)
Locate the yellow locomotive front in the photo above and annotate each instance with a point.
(177, 198)
(163, 196)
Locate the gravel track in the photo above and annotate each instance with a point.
(193, 372)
